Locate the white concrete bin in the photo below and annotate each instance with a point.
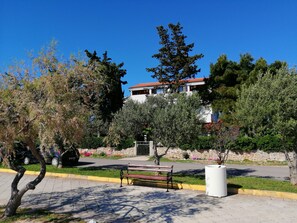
(216, 180)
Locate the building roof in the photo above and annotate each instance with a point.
(156, 84)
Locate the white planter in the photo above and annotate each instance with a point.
(216, 180)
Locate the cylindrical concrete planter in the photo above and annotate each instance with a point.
(216, 180)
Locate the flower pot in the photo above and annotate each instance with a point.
(216, 180)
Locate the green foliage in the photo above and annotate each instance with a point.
(92, 142)
(171, 120)
(126, 143)
(175, 62)
(269, 143)
(199, 143)
(102, 154)
(243, 144)
(269, 106)
(226, 79)
(104, 99)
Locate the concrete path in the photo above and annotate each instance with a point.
(106, 202)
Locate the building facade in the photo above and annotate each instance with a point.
(141, 91)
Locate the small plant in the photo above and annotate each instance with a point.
(223, 135)
(87, 153)
(102, 154)
(186, 155)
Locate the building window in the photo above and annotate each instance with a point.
(181, 89)
(158, 91)
(194, 87)
(139, 92)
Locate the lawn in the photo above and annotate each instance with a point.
(237, 182)
(38, 216)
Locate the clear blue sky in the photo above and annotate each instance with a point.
(127, 29)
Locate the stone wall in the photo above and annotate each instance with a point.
(256, 156)
(109, 151)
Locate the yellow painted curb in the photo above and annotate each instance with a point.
(275, 194)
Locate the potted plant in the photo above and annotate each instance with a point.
(215, 175)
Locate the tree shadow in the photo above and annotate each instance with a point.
(83, 163)
(106, 167)
(231, 172)
(108, 203)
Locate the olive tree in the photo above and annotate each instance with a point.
(35, 106)
(169, 120)
(269, 106)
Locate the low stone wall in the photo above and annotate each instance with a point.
(110, 151)
(257, 156)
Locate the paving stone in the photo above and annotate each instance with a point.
(106, 202)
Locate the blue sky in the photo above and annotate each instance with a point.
(127, 29)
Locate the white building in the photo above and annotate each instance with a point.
(141, 91)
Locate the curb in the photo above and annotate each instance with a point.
(261, 193)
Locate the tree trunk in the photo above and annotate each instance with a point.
(16, 194)
(293, 175)
(292, 163)
(158, 157)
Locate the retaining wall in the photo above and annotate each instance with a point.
(196, 154)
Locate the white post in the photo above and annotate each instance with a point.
(151, 144)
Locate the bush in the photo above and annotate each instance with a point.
(200, 143)
(186, 155)
(243, 144)
(269, 143)
(126, 143)
(102, 154)
(92, 142)
(266, 143)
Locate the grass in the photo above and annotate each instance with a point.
(190, 178)
(244, 162)
(38, 216)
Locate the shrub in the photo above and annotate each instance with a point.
(92, 142)
(126, 143)
(186, 155)
(269, 143)
(199, 143)
(242, 143)
(102, 154)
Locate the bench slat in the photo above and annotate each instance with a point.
(147, 177)
(148, 169)
(150, 166)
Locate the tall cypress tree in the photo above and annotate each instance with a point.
(111, 95)
(175, 62)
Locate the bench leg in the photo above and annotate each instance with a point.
(121, 177)
(167, 186)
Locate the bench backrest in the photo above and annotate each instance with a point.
(149, 168)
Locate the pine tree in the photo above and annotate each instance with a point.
(175, 62)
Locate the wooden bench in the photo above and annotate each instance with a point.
(135, 171)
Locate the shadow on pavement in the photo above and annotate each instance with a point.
(105, 167)
(105, 203)
(84, 163)
(239, 172)
(201, 172)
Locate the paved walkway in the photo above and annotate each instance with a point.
(105, 202)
